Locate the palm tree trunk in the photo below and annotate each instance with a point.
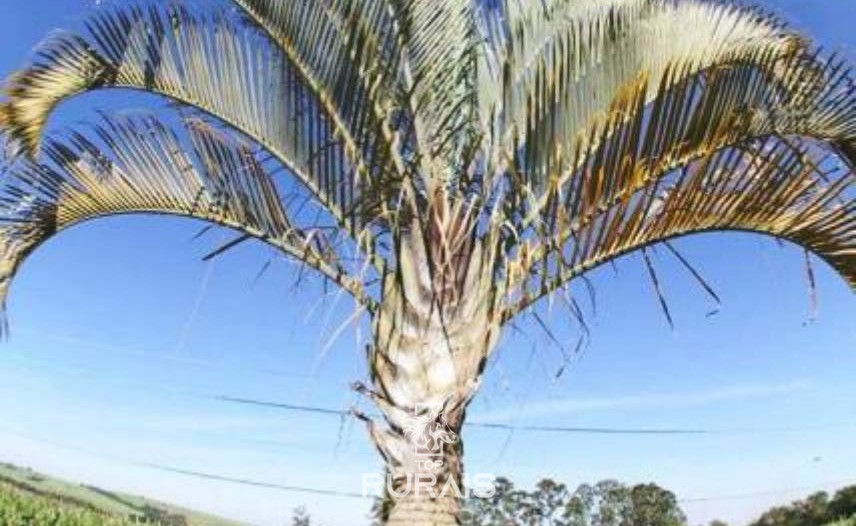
(433, 334)
(423, 389)
(424, 474)
(431, 496)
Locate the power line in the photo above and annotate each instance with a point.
(483, 425)
(354, 495)
(184, 333)
(188, 472)
(341, 413)
(254, 483)
(280, 405)
(590, 430)
(557, 429)
(148, 387)
(767, 493)
(547, 429)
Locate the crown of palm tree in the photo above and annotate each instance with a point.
(558, 134)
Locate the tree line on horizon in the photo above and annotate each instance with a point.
(611, 503)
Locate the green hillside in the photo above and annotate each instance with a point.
(28, 498)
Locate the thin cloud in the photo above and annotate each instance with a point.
(644, 401)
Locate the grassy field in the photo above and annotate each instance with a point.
(28, 498)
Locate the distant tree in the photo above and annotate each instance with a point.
(651, 505)
(301, 517)
(817, 509)
(778, 516)
(607, 503)
(579, 506)
(502, 509)
(718, 523)
(814, 509)
(613, 500)
(843, 504)
(544, 506)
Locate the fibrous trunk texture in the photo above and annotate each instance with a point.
(433, 334)
(433, 495)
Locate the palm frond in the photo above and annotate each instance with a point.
(693, 116)
(218, 64)
(139, 165)
(551, 135)
(768, 187)
(637, 144)
(441, 40)
(347, 52)
(564, 61)
(414, 57)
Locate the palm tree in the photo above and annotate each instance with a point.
(448, 163)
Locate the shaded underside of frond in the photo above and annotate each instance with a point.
(139, 165)
(213, 62)
(639, 146)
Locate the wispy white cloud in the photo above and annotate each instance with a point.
(644, 401)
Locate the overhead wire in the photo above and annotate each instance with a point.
(474, 424)
(183, 471)
(289, 488)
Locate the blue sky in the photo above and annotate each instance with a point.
(120, 335)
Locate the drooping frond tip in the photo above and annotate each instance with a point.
(139, 165)
(315, 113)
(770, 188)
